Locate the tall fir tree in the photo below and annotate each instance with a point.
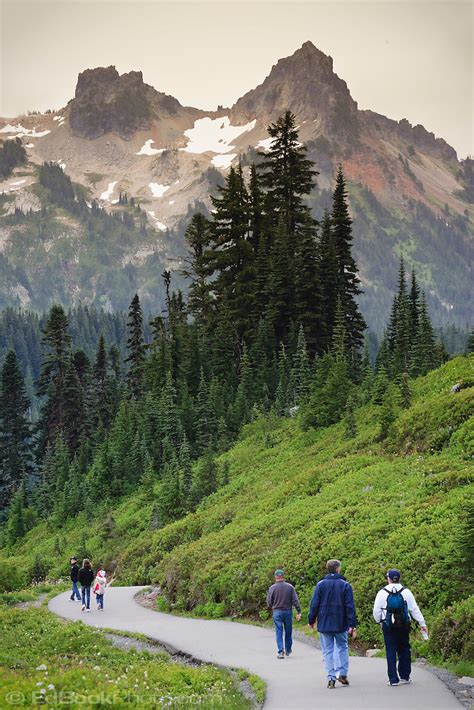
(347, 278)
(15, 431)
(136, 348)
(51, 383)
(287, 174)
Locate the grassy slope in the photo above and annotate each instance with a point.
(297, 498)
(46, 661)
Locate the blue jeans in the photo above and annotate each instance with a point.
(397, 643)
(86, 597)
(75, 591)
(283, 620)
(100, 600)
(335, 653)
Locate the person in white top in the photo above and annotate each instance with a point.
(394, 607)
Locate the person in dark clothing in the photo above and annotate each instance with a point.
(74, 579)
(86, 577)
(281, 598)
(333, 606)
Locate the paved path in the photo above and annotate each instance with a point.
(296, 683)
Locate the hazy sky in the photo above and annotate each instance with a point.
(409, 58)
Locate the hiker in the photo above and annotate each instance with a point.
(281, 598)
(100, 583)
(74, 579)
(394, 607)
(333, 606)
(86, 577)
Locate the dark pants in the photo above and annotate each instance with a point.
(100, 600)
(86, 597)
(283, 621)
(75, 591)
(397, 643)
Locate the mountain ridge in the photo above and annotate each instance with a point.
(169, 157)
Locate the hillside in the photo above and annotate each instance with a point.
(295, 498)
(409, 192)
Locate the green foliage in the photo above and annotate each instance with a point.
(68, 658)
(452, 634)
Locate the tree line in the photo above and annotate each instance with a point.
(270, 325)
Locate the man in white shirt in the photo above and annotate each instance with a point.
(395, 625)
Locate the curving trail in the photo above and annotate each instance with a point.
(296, 683)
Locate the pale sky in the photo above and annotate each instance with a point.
(405, 59)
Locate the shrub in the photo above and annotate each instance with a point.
(452, 634)
(12, 576)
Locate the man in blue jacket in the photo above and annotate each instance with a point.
(333, 606)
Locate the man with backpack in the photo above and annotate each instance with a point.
(394, 607)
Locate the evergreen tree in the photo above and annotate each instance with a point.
(470, 342)
(400, 327)
(287, 175)
(347, 279)
(169, 503)
(229, 258)
(328, 270)
(280, 288)
(245, 392)
(282, 395)
(205, 419)
(169, 422)
(102, 405)
(205, 478)
(51, 384)
(367, 375)
(386, 416)
(350, 427)
(199, 297)
(307, 295)
(185, 465)
(414, 306)
(75, 413)
(16, 524)
(15, 430)
(301, 372)
(136, 348)
(424, 356)
(405, 392)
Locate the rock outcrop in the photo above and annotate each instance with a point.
(106, 101)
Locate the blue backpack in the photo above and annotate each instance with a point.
(397, 616)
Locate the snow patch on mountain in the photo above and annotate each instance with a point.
(158, 190)
(223, 161)
(107, 194)
(162, 227)
(214, 135)
(265, 144)
(146, 148)
(21, 131)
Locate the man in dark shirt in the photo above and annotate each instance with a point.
(333, 606)
(74, 579)
(281, 598)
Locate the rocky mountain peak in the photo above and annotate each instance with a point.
(107, 101)
(106, 79)
(306, 83)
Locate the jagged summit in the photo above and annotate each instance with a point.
(306, 83)
(108, 101)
